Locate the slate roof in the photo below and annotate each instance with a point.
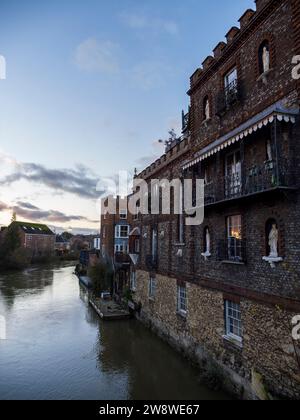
(33, 228)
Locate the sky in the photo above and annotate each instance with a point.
(90, 88)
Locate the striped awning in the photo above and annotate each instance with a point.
(251, 126)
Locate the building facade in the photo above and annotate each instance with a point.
(115, 229)
(226, 291)
(37, 239)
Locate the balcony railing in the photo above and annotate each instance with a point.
(232, 250)
(185, 121)
(256, 180)
(227, 97)
(151, 262)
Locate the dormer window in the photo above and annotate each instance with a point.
(264, 57)
(206, 109)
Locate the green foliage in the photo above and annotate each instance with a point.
(19, 259)
(128, 295)
(102, 277)
(11, 255)
(67, 236)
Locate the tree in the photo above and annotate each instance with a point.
(102, 277)
(11, 254)
(67, 236)
(14, 217)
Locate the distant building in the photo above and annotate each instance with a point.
(115, 229)
(97, 243)
(37, 238)
(62, 246)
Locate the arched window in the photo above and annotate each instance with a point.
(206, 108)
(272, 238)
(264, 57)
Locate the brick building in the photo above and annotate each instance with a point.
(38, 239)
(114, 238)
(220, 291)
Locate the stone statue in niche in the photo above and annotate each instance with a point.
(266, 59)
(207, 237)
(207, 109)
(274, 257)
(273, 241)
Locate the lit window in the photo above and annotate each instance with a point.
(234, 238)
(181, 300)
(233, 320)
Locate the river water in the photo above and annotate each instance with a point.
(57, 348)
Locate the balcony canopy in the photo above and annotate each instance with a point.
(268, 116)
(135, 232)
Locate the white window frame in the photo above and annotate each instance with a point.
(119, 248)
(118, 230)
(182, 300)
(123, 214)
(233, 320)
(152, 288)
(133, 281)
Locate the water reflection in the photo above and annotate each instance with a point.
(57, 348)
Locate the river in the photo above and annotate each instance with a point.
(57, 348)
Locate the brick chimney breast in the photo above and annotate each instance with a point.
(207, 62)
(260, 4)
(219, 49)
(247, 16)
(232, 34)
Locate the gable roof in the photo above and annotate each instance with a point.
(33, 228)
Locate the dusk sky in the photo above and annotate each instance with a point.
(91, 86)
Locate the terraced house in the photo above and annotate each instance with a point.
(225, 292)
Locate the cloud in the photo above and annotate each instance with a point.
(93, 55)
(3, 206)
(79, 181)
(27, 206)
(30, 212)
(141, 22)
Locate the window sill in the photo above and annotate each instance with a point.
(233, 262)
(206, 122)
(264, 76)
(182, 315)
(234, 341)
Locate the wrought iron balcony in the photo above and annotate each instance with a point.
(151, 262)
(185, 121)
(228, 96)
(256, 180)
(232, 250)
